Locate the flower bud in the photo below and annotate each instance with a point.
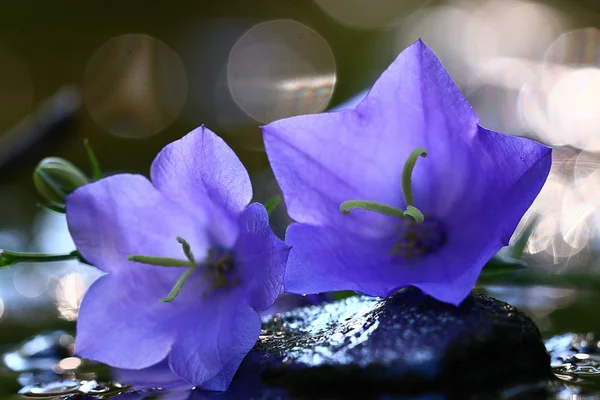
(54, 178)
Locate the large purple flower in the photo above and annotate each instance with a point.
(225, 266)
(431, 223)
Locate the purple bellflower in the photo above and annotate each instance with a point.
(187, 237)
(372, 219)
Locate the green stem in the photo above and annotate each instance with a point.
(9, 258)
(96, 171)
(407, 171)
(272, 203)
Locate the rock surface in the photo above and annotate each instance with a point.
(406, 344)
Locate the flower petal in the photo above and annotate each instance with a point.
(450, 274)
(477, 182)
(115, 329)
(510, 172)
(222, 330)
(326, 259)
(515, 169)
(322, 160)
(202, 173)
(158, 375)
(125, 215)
(261, 257)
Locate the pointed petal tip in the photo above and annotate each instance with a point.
(190, 171)
(419, 42)
(421, 47)
(200, 130)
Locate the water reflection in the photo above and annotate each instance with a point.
(47, 370)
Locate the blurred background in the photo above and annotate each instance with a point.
(133, 77)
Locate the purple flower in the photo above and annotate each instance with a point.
(431, 223)
(224, 268)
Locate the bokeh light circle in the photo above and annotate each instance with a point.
(135, 86)
(510, 28)
(571, 84)
(573, 108)
(494, 93)
(433, 26)
(28, 280)
(279, 69)
(472, 38)
(576, 48)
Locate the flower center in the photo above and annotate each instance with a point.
(420, 236)
(218, 268)
(417, 240)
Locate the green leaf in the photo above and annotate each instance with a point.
(517, 249)
(500, 267)
(343, 294)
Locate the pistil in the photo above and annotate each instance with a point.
(411, 211)
(217, 267)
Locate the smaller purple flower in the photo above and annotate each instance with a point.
(373, 219)
(187, 237)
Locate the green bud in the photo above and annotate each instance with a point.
(54, 178)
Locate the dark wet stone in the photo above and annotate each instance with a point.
(407, 344)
